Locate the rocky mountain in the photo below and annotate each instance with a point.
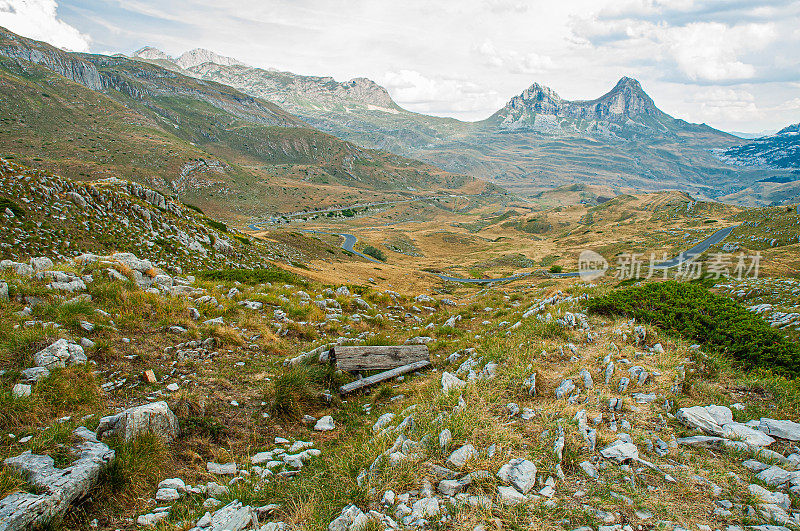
(236, 155)
(778, 151)
(200, 56)
(188, 59)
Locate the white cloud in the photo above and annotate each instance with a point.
(37, 19)
(506, 6)
(440, 96)
(711, 51)
(512, 61)
(791, 105)
(727, 104)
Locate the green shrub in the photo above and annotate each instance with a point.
(251, 276)
(6, 203)
(720, 323)
(220, 226)
(195, 208)
(556, 269)
(242, 239)
(374, 252)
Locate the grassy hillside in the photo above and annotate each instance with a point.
(91, 117)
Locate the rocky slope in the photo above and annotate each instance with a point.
(47, 215)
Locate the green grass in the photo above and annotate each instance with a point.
(716, 321)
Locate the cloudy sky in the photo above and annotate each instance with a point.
(734, 64)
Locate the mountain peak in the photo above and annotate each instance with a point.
(199, 56)
(151, 53)
(627, 99)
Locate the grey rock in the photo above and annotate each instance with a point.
(783, 429)
(444, 439)
(222, 469)
(586, 376)
(520, 473)
(34, 374)
(620, 451)
(233, 517)
(3, 291)
(451, 381)
(41, 263)
(565, 388)
(60, 354)
(155, 418)
(326, 423)
(460, 457)
(510, 496)
(21, 390)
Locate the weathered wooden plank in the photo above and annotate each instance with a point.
(378, 357)
(381, 376)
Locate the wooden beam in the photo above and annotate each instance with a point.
(381, 376)
(377, 358)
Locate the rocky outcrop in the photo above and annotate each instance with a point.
(60, 487)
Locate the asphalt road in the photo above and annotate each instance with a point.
(698, 249)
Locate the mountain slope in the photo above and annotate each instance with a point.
(92, 116)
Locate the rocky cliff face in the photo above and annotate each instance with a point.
(300, 93)
(626, 100)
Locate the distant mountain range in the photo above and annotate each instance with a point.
(538, 140)
(235, 155)
(778, 151)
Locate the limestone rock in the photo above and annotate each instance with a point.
(155, 418)
(60, 487)
(510, 495)
(325, 424)
(520, 473)
(60, 354)
(460, 457)
(451, 381)
(783, 429)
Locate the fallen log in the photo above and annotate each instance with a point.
(381, 376)
(377, 357)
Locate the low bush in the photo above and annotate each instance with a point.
(718, 322)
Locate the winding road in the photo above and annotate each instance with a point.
(686, 256)
(348, 243)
